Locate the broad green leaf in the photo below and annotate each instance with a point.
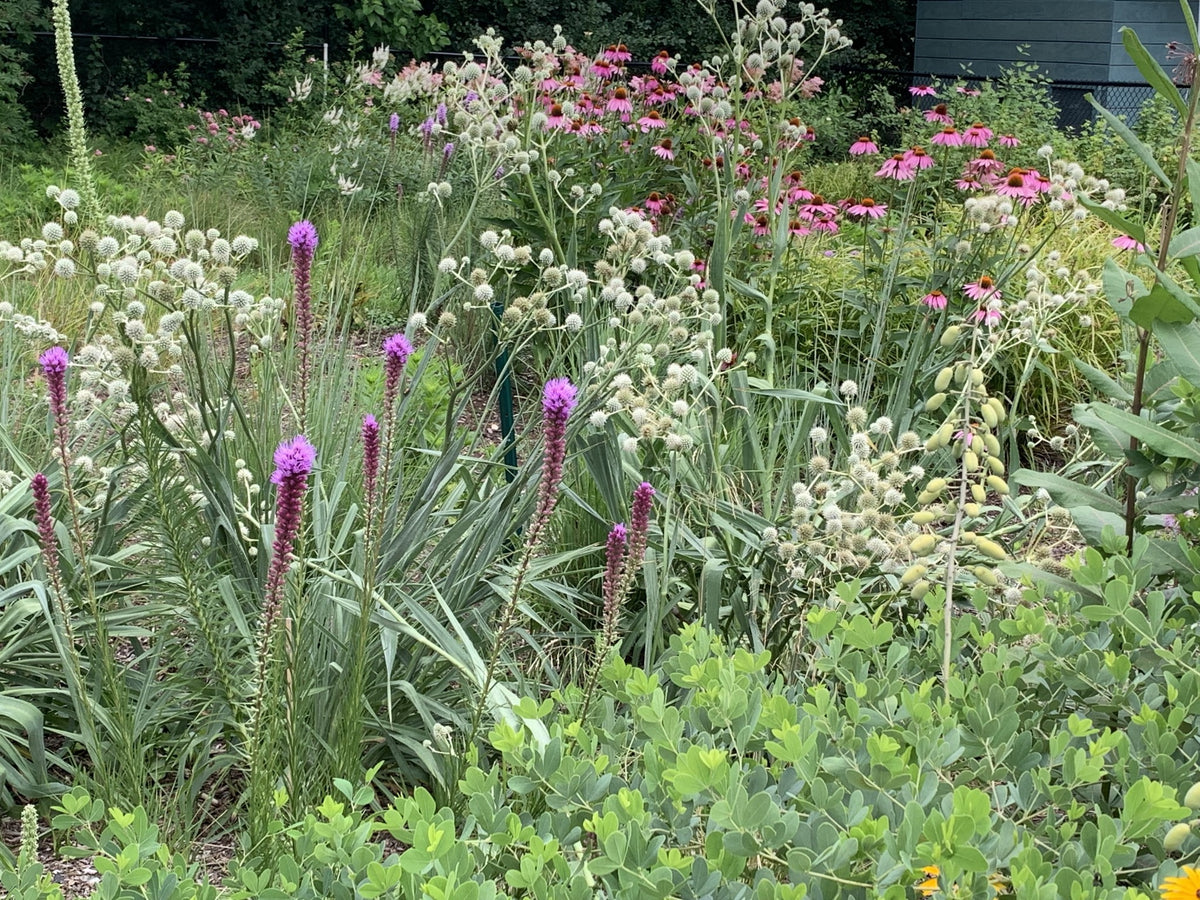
(1109, 439)
(1181, 343)
(1113, 218)
(1193, 181)
(1186, 299)
(1152, 71)
(1186, 243)
(1144, 153)
(1191, 25)
(1149, 433)
(1103, 382)
(1160, 305)
(1066, 491)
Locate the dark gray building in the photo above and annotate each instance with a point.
(1072, 41)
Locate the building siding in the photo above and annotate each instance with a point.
(1071, 42)
(1157, 22)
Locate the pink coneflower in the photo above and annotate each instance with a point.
(864, 146)
(1125, 242)
(898, 167)
(985, 163)
(867, 208)
(989, 315)
(651, 121)
(657, 204)
(968, 183)
(939, 113)
(555, 117)
(602, 68)
(742, 170)
(619, 102)
(1038, 181)
(664, 149)
(761, 223)
(661, 63)
(1008, 140)
(1014, 186)
(977, 135)
(810, 134)
(983, 289)
(817, 206)
(967, 92)
(828, 225)
(617, 53)
(947, 137)
(934, 300)
(923, 90)
(918, 158)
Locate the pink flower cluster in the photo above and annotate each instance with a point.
(237, 130)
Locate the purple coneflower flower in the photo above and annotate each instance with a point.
(867, 208)
(864, 146)
(665, 149)
(977, 135)
(968, 92)
(898, 167)
(985, 163)
(617, 53)
(650, 121)
(918, 158)
(1008, 140)
(934, 300)
(1125, 242)
(923, 90)
(983, 289)
(939, 113)
(947, 137)
(990, 315)
(1014, 187)
(660, 63)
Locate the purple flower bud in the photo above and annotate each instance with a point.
(294, 461)
(440, 114)
(639, 533)
(394, 123)
(396, 351)
(54, 366)
(558, 399)
(614, 559)
(370, 440)
(303, 238)
(448, 150)
(45, 525)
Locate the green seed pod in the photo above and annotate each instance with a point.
(972, 509)
(977, 443)
(919, 590)
(936, 485)
(923, 544)
(994, 463)
(950, 335)
(967, 537)
(935, 402)
(998, 484)
(991, 443)
(1192, 798)
(1176, 836)
(971, 460)
(976, 377)
(925, 498)
(1001, 412)
(961, 372)
(990, 548)
(978, 494)
(985, 576)
(946, 433)
(924, 517)
(913, 573)
(989, 416)
(943, 378)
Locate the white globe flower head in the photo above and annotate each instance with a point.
(52, 232)
(173, 219)
(64, 267)
(68, 199)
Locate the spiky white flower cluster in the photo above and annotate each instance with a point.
(849, 517)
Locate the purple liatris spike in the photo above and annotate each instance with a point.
(45, 525)
(54, 366)
(394, 123)
(303, 238)
(370, 440)
(293, 464)
(396, 351)
(614, 559)
(639, 532)
(558, 399)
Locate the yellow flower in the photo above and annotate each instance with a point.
(1182, 887)
(929, 886)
